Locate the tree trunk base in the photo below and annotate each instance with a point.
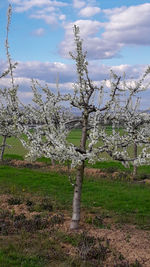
(74, 225)
(53, 162)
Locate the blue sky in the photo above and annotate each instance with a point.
(116, 35)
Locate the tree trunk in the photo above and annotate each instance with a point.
(3, 147)
(79, 177)
(135, 156)
(134, 171)
(52, 162)
(77, 198)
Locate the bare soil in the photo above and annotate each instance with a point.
(59, 168)
(126, 240)
(127, 244)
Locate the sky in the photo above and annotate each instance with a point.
(115, 33)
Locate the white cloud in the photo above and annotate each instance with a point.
(25, 81)
(24, 96)
(14, 1)
(87, 27)
(47, 10)
(50, 15)
(128, 25)
(62, 17)
(49, 19)
(89, 11)
(78, 3)
(131, 71)
(47, 72)
(97, 47)
(25, 93)
(22, 6)
(113, 11)
(39, 32)
(124, 26)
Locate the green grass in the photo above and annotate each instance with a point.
(115, 196)
(108, 165)
(10, 257)
(35, 181)
(15, 146)
(74, 137)
(13, 156)
(32, 250)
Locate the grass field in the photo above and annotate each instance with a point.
(15, 146)
(29, 243)
(116, 196)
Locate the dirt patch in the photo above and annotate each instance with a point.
(58, 168)
(133, 244)
(127, 243)
(16, 216)
(15, 209)
(88, 171)
(95, 172)
(28, 164)
(122, 245)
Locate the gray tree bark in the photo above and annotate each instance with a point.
(3, 148)
(135, 156)
(77, 198)
(53, 162)
(79, 177)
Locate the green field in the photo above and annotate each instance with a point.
(117, 196)
(15, 146)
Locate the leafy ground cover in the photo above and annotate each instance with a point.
(35, 217)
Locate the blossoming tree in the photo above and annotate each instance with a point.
(136, 125)
(7, 125)
(49, 138)
(7, 98)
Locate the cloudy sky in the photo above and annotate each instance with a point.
(116, 35)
